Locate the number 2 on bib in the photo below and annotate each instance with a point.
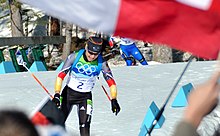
(80, 85)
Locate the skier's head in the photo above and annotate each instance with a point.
(93, 47)
(94, 44)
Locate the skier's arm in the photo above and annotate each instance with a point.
(107, 74)
(63, 72)
(113, 41)
(111, 83)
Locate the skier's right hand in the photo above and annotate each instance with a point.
(56, 99)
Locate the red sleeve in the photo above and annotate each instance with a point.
(61, 75)
(110, 82)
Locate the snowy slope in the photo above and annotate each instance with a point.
(137, 88)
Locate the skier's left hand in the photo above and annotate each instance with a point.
(115, 106)
(56, 99)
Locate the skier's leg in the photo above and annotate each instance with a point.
(126, 55)
(136, 53)
(128, 61)
(143, 61)
(85, 115)
(65, 104)
(126, 58)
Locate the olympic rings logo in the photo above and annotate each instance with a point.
(85, 68)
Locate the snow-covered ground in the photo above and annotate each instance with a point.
(137, 87)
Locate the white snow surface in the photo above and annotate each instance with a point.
(137, 87)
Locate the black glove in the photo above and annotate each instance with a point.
(115, 106)
(56, 99)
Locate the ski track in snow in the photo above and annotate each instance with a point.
(137, 87)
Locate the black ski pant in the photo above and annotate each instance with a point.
(83, 101)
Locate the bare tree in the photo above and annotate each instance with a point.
(67, 45)
(16, 18)
(54, 30)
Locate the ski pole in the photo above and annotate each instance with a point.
(38, 81)
(103, 88)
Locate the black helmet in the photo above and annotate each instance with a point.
(94, 44)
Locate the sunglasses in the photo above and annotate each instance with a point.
(92, 53)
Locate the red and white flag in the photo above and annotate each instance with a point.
(187, 25)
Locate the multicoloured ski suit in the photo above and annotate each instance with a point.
(81, 80)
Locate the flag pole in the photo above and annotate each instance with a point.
(157, 118)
